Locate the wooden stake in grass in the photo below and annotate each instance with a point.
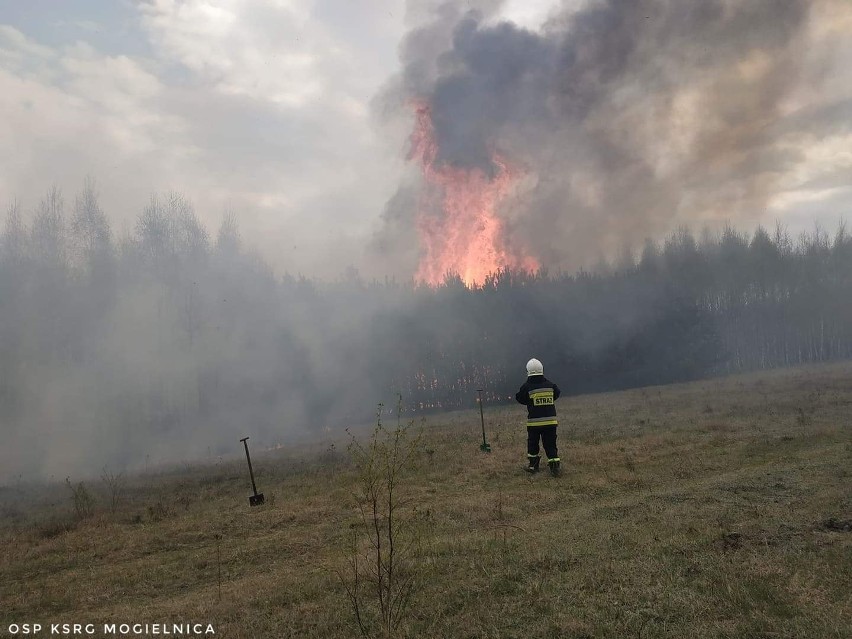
(219, 564)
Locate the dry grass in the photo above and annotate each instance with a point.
(700, 510)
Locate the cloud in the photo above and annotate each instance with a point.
(264, 108)
(16, 49)
(242, 48)
(71, 111)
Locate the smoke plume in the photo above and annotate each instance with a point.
(627, 118)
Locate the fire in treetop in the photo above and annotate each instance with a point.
(460, 231)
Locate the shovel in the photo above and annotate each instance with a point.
(485, 447)
(257, 498)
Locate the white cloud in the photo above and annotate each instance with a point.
(267, 51)
(17, 46)
(89, 111)
(262, 108)
(530, 14)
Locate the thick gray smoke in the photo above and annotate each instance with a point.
(168, 342)
(629, 117)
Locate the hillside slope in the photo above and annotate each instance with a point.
(719, 508)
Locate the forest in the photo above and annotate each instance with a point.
(171, 342)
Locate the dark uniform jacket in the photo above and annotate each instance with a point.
(538, 394)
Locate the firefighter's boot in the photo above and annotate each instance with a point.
(533, 463)
(553, 464)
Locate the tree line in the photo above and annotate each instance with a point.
(172, 338)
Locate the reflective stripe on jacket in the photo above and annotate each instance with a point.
(539, 395)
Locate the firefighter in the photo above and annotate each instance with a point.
(539, 395)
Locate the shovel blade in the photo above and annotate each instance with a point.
(485, 448)
(256, 500)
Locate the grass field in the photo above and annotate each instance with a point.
(720, 508)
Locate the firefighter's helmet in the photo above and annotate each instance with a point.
(534, 367)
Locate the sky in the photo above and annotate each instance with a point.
(269, 108)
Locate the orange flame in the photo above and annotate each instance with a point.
(457, 219)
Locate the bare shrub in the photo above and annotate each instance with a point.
(114, 483)
(81, 499)
(385, 562)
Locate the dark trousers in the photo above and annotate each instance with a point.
(548, 440)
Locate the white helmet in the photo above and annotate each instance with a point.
(534, 367)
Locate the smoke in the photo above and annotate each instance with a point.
(628, 117)
(622, 119)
